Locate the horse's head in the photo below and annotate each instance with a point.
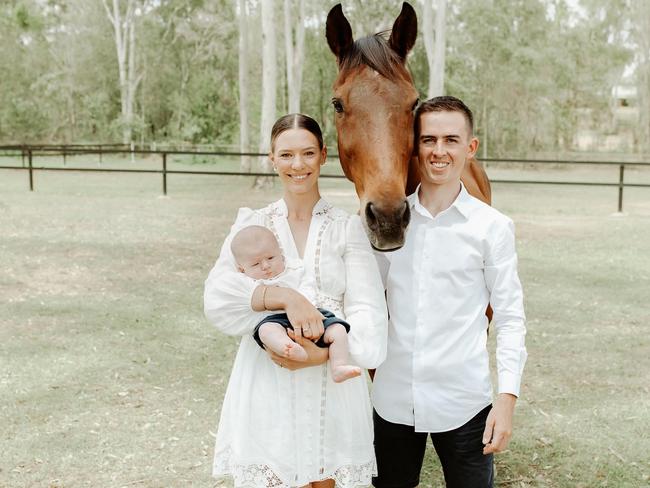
(374, 99)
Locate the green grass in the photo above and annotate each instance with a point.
(111, 376)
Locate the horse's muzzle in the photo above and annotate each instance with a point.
(387, 226)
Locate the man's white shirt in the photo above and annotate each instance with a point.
(438, 285)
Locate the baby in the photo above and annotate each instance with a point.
(258, 255)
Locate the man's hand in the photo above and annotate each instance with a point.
(316, 355)
(498, 426)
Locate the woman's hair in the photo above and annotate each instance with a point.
(296, 121)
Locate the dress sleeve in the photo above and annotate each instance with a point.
(364, 303)
(506, 299)
(228, 293)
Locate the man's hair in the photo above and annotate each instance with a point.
(443, 104)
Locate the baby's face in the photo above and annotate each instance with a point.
(261, 260)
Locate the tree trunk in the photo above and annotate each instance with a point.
(642, 36)
(437, 88)
(244, 143)
(269, 75)
(124, 33)
(294, 53)
(434, 43)
(131, 87)
(429, 43)
(288, 49)
(485, 138)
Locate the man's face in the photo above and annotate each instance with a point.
(444, 145)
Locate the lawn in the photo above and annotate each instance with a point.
(111, 376)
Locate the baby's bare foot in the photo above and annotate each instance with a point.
(344, 372)
(296, 352)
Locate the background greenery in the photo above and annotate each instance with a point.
(535, 71)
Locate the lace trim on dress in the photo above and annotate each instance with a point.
(263, 475)
(270, 224)
(279, 208)
(325, 210)
(328, 303)
(319, 243)
(323, 406)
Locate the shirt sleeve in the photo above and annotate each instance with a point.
(383, 263)
(364, 303)
(228, 293)
(506, 299)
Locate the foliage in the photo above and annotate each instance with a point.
(535, 72)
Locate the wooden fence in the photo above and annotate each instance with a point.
(27, 153)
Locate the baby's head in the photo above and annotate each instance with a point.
(257, 253)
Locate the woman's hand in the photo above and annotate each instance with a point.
(316, 355)
(305, 319)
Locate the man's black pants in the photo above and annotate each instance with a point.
(400, 452)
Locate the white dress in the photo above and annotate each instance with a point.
(284, 428)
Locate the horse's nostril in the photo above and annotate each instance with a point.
(406, 215)
(371, 218)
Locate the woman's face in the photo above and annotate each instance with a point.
(297, 159)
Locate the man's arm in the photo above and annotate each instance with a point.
(506, 298)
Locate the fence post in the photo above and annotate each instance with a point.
(100, 156)
(31, 170)
(64, 159)
(22, 154)
(164, 161)
(621, 175)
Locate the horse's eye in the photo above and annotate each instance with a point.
(415, 105)
(338, 106)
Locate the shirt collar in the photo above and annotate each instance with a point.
(462, 203)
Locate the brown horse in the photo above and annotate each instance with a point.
(374, 99)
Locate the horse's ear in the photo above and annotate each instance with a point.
(338, 32)
(405, 30)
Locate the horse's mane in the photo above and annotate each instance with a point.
(374, 52)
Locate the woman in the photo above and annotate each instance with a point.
(288, 424)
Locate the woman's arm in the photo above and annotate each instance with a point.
(316, 355)
(364, 302)
(228, 293)
(301, 313)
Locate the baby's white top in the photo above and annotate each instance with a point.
(291, 277)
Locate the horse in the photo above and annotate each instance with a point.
(374, 100)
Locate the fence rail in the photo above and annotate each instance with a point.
(27, 154)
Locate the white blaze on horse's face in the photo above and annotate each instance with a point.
(374, 99)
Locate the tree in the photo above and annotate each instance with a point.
(244, 143)
(294, 52)
(641, 35)
(435, 44)
(123, 21)
(269, 84)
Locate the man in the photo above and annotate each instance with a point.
(459, 255)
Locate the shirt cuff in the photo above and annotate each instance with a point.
(509, 383)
